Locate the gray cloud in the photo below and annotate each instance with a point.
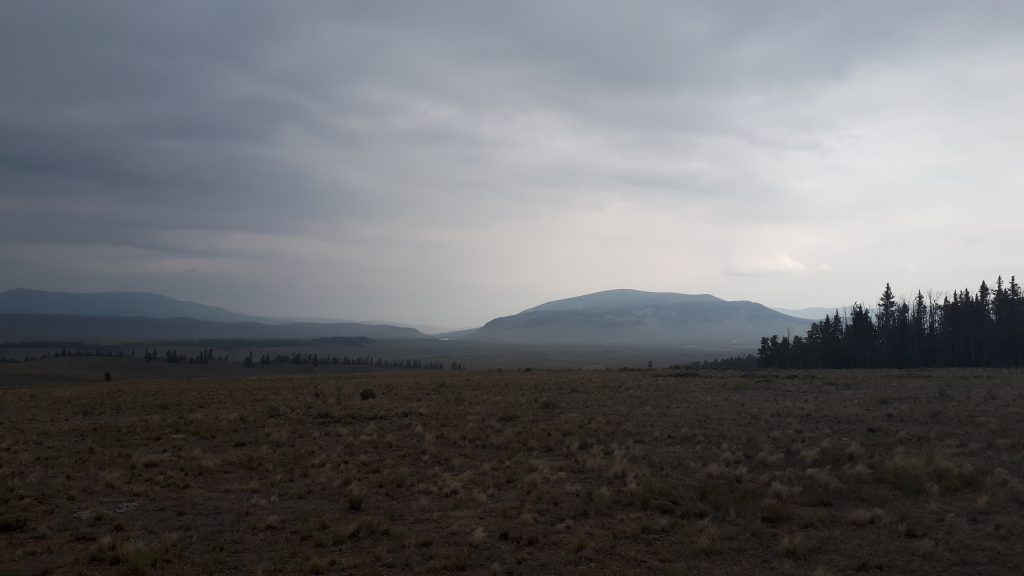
(448, 162)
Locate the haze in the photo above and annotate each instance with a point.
(449, 162)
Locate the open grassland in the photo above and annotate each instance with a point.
(514, 472)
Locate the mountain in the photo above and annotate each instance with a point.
(43, 315)
(149, 305)
(56, 327)
(622, 299)
(815, 313)
(652, 319)
(24, 301)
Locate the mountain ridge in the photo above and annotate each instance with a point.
(625, 317)
(27, 314)
(118, 303)
(113, 304)
(57, 327)
(618, 317)
(618, 298)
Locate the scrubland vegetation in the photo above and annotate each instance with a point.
(509, 472)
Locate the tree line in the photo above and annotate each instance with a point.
(984, 328)
(209, 355)
(317, 359)
(170, 355)
(174, 357)
(732, 363)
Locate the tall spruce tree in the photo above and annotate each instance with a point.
(860, 337)
(885, 323)
(919, 329)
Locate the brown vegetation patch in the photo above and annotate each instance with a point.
(515, 472)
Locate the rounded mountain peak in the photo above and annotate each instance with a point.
(621, 299)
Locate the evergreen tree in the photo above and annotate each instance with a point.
(903, 337)
(885, 323)
(919, 330)
(860, 339)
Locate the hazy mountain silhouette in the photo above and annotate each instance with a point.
(633, 317)
(613, 317)
(24, 301)
(150, 305)
(54, 327)
(43, 315)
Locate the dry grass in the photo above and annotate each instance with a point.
(517, 473)
(793, 545)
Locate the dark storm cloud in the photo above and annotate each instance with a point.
(352, 146)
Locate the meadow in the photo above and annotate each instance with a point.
(671, 472)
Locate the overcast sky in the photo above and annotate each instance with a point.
(449, 162)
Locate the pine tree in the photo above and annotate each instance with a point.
(860, 337)
(903, 339)
(885, 322)
(919, 330)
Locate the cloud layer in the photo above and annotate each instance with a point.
(449, 162)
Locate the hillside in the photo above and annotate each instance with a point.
(30, 327)
(633, 317)
(145, 304)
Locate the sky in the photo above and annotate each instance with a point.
(450, 162)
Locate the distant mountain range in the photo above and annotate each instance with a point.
(636, 318)
(618, 318)
(145, 304)
(31, 327)
(42, 315)
(149, 305)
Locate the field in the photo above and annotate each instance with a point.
(474, 354)
(517, 472)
